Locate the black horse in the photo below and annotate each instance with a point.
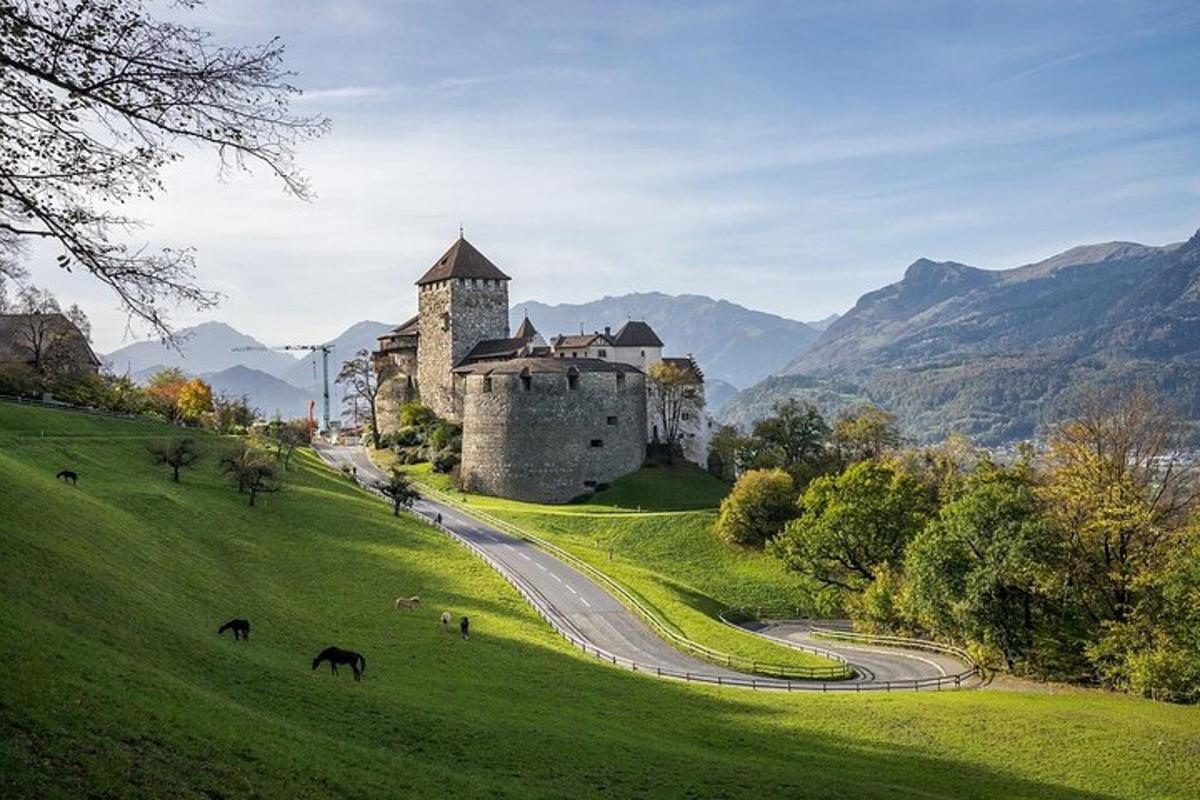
(67, 476)
(240, 628)
(336, 655)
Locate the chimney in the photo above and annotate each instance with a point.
(607, 330)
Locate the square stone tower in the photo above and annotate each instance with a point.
(462, 300)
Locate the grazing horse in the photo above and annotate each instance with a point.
(240, 628)
(336, 655)
(465, 627)
(407, 602)
(67, 476)
(445, 620)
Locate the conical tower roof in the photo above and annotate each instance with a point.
(526, 331)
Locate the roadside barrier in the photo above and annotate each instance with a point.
(559, 622)
(840, 671)
(957, 679)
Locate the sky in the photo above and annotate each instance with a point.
(788, 157)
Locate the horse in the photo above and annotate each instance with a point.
(407, 602)
(445, 620)
(240, 628)
(67, 476)
(464, 626)
(336, 655)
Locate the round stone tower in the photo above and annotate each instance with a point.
(548, 429)
(461, 300)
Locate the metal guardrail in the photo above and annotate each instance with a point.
(546, 610)
(842, 671)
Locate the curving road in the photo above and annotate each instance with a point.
(577, 604)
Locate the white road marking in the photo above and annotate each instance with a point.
(585, 602)
(527, 558)
(552, 575)
(510, 547)
(569, 589)
(539, 566)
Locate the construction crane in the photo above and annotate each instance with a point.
(325, 350)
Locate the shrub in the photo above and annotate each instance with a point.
(445, 460)
(761, 503)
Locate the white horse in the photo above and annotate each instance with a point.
(445, 620)
(407, 602)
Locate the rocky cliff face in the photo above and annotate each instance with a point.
(995, 353)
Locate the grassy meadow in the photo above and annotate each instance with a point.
(117, 684)
(653, 531)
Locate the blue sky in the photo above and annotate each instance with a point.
(786, 156)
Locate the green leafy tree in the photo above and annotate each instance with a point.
(980, 570)
(853, 523)
(795, 436)
(866, 432)
(760, 504)
(399, 489)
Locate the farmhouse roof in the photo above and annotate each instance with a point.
(571, 341)
(636, 333)
(462, 260)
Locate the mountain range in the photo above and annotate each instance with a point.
(735, 347)
(731, 343)
(998, 354)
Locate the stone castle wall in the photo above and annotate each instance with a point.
(455, 315)
(397, 371)
(538, 444)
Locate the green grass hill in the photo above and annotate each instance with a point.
(116, 683)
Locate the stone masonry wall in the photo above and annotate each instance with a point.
(455, 315)
(537, 444)
(397, 370)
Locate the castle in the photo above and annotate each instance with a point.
(544, 422)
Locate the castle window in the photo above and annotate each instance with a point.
(445, 320)
(572, 379)
(574, 354)
(526, 380)
(620, 380)
(685, 416)
(643, 354)
(487, 383)
(602, 353)
(597, 443)
(612, 420)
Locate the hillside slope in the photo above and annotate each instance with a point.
(995, 353)
(117, 684)
(731, 343)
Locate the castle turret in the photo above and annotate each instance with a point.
(461, 300)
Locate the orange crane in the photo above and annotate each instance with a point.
(325, 350)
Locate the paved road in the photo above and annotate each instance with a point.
(873, 664)
(593, 615)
